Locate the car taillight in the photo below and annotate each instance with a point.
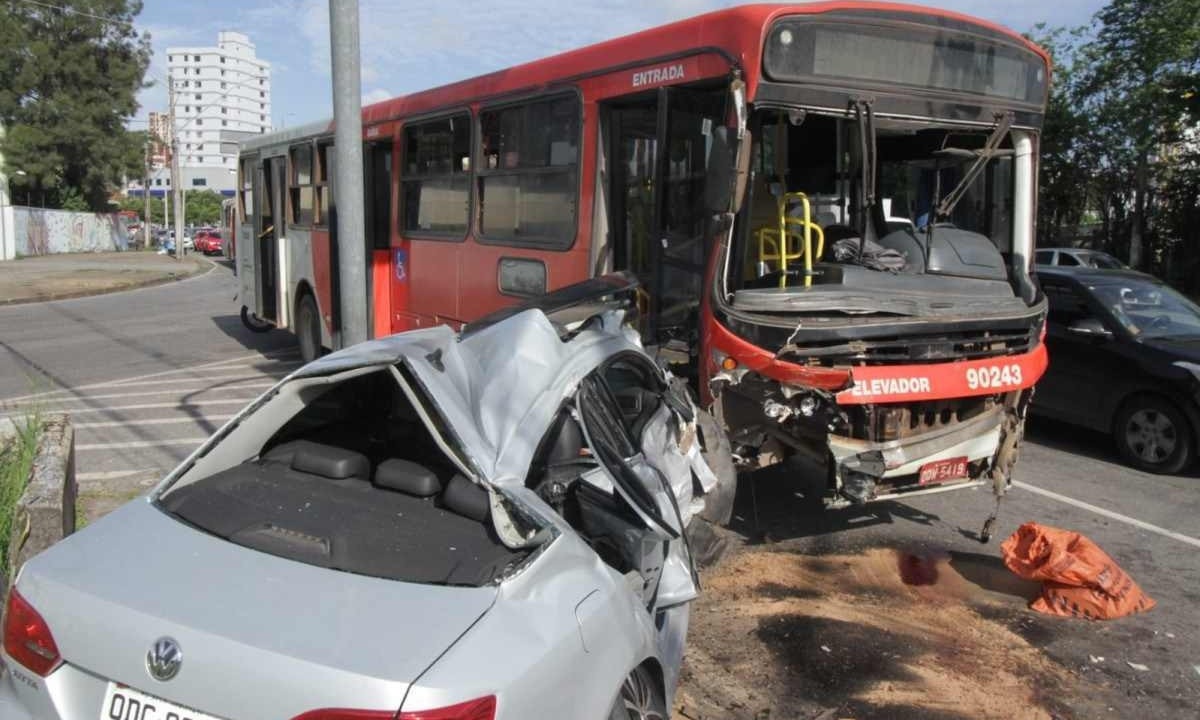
(483, 708)
(27, 637)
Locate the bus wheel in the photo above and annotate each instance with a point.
(253, 322)
(308, 328)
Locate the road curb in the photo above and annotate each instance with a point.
(45, 512)
(202, 265)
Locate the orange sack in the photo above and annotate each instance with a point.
(1078, 578)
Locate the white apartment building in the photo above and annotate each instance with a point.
(222, 95)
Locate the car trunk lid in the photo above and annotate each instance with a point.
(258, 633)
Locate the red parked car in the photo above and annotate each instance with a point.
(208, 242)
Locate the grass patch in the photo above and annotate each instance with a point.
(16, 460)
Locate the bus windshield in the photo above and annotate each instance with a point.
(802, 157)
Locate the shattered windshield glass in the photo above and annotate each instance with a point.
(804, 160)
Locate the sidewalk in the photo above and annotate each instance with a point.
(57, 277)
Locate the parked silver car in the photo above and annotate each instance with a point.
(492, 524)
(1078, 257)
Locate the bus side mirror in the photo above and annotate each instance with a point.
(727, 173)
(719, 186)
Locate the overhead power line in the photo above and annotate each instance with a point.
(73, 11)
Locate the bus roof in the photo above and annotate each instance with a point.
(737, 33)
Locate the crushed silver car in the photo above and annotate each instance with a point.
(498, 523)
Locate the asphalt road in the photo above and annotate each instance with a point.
(148, 373)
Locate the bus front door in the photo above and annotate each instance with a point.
(660, 149)
(270, 229)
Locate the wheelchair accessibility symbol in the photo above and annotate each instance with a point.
(401, 265)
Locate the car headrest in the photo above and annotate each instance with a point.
(331, 462)
(285, 452)
(465, 498)
(408, 477)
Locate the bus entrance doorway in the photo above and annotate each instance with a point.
(270, 229)
(659, 153)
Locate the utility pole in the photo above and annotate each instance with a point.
(347, 118)
(175, 181)
(146, 192)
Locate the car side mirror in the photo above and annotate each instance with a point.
(1089, 327)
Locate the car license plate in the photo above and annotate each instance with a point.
(941, 471)
(123, 703)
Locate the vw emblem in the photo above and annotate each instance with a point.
(164, 659)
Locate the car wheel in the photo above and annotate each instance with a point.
(1153, 435)
(253, 322)
(308, 328)
(640, 698)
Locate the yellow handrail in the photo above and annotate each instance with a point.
(779, 239)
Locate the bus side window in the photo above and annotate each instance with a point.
(246, 194)
(300, 184)
(528, 174)
(323, 184)
(435, 177)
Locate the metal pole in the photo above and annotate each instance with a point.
(175, 182)
(347, 117)
(146, 191)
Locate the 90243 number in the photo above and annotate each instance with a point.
(994, 377)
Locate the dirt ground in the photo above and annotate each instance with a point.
(880, 634)
(55, 277)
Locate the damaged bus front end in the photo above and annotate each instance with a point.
(870, 306)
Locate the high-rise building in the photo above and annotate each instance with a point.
(160, 140)
(222, 95)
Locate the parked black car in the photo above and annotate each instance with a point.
(1124, 359)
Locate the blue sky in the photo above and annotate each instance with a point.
(409, 45)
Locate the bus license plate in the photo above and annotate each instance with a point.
(123, 703)
(941, 471)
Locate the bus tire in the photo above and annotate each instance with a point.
(308, 328)
(253, 322)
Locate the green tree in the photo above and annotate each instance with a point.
(138, 205)
(1138, 83)
(72, 70)
(203, 207)
(1066, 162)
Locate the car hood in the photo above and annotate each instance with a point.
(259, 634)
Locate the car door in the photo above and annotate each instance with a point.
(1080, 364)
(647, 483)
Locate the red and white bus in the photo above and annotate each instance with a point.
(830, 208)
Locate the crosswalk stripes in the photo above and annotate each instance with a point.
(130, 432)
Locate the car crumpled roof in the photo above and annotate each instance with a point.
(499, 388)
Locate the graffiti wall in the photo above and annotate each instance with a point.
(45, 232)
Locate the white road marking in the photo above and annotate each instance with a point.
(207, 378)
(140, 444)
(163, 373)
(176, 405)
(112, 474)
(1194, 542)
(149, 421)
(166, 391)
